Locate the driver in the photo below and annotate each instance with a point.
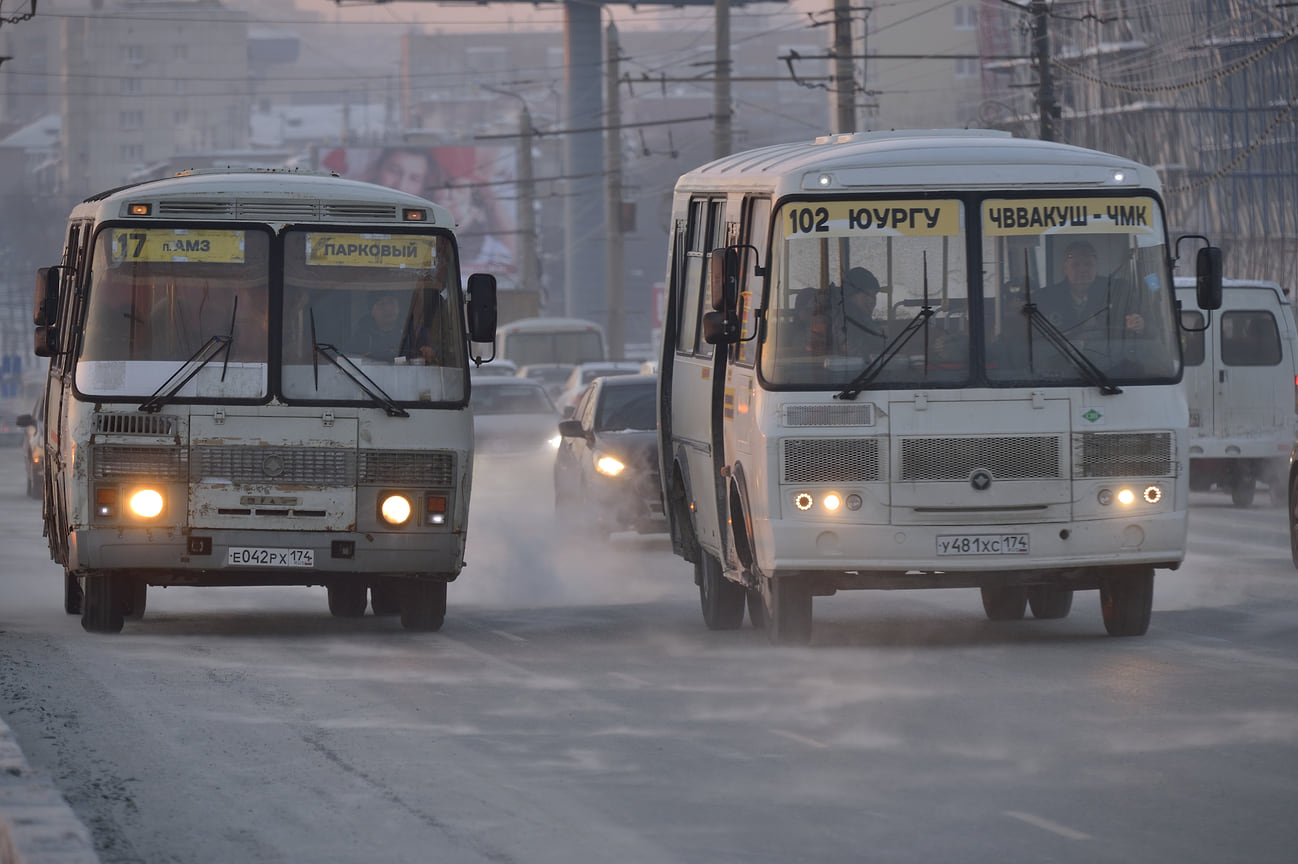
(862, 335)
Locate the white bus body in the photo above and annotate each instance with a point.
(533, 341)
(972, 444)
(221, 411)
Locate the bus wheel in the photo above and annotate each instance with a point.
(135, 596)
(756, 609)
(423, 604)
(1004, 603)
(1126, 600)
(72, 593)
(385, 597)
(1050, 601)
(1243, 489)
(721, 599)
(347, 599)
(103, 602)
(788, 611)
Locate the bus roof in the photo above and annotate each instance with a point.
(268, 195)
(550, 323)
(950, 158)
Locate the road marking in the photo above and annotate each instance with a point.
(801, 739)
(503, 635)
(1047, 825)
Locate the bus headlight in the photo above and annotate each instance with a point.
(1153, 494)
(395, 508)
(832, 502)
(146, 503)
(1125, 497)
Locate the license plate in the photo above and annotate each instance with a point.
(982, 544)
(248, 556)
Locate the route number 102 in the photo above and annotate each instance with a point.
(806, 220)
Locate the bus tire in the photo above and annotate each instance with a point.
(385, 597)
(347, 599)
(72, 597)
(722, 600)
(102, 603)
(788, 611)
(1127, 600)
(135, 597)
(1243, 490)
(1004, 602)
(1050, 601)
(423, 605)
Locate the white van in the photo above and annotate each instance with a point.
(1241, 381)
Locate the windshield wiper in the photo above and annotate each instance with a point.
(200, 358)
(351, 371)
(914, 325)
(1038, 320)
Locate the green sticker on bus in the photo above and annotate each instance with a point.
(165, 245)
(369, 250)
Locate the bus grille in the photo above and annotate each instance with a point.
(407, 467)
(831, 460)
(274, 465)
(1018, 457)
(199, 208)
(850, 414)
(1124, 454)
(351, 212)
(115, 462)
(134, 424)
(273, 211)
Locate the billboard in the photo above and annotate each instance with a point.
(477, 184)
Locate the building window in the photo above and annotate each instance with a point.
(131, 119)
(133, 54)
(966, 67)
(180, 52)
(130, 86)
(132, 152)
(966, 17)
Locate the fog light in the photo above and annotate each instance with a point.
(146, 503)
(395, 509)
(435, 508)
(1105, 497)
(803, 501)
(853, 502)
(832, 502)
(1153, 494)
(1125, 497)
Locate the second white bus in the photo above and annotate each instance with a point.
(974, 439)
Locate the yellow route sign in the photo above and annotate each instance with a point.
(1103, 215)
(913, 218)
(154, 245)
(370, 250)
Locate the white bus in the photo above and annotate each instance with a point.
(533, 341)
(259, 378)
(960, 433)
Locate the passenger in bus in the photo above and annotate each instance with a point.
(385, 333)
(861, 335)
(1081, 302)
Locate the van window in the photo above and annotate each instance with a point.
(1192, 337)
(1249, 338)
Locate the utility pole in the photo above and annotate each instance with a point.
(614, 279)
(844, 95)
(721, 143)
(528, 277)
(1047, 110)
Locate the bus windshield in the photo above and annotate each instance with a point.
(880, 291)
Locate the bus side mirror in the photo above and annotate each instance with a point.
(46, 311)
(720, 328)
(1207, 277)
(724, 278)
(482, 307)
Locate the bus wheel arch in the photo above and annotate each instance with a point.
(680, 519)
(741, 523)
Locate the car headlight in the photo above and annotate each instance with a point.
(609, 465)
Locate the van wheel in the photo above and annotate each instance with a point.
(1242, 491)
(1050, 601)
(1127, 599)
(1004, 603)
(1293, 519)
(102, 603)
(135, 597)
(385, 597)
(788, 611)
(721, 599)
(423, 604)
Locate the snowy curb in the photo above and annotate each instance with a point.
(36, 825)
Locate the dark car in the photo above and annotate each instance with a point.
(606, 471)
(33, 447)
